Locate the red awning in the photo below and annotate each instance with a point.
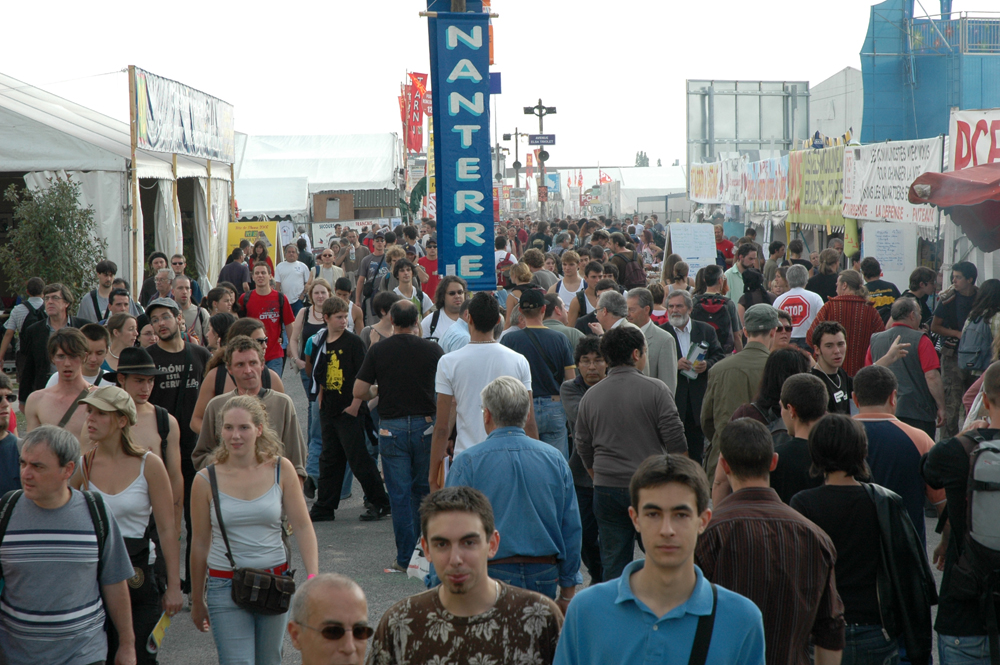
(970, 196)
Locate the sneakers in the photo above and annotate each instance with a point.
(374, 514)
(322, 515)
(395, 566)
(309, 488)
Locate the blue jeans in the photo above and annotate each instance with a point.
(974, 650)
(866, 645)
(277, 364)
(405, 446)
(242, 637)
(550, 417)
(540, 577)
(617, 533)
(315, 442)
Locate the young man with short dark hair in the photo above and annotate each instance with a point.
(59, 404)
(829, 340)
(660, 609)
(881, 292)
(799, 603)
(803, 403)
(469, 617)
(94, 305)
(949, 322)
(775, 252)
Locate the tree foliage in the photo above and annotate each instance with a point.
(53, 238)
(641, 159)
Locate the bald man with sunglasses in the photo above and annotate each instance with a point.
(328, 621)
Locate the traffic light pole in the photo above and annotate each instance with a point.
(541, 111)
(517, 156)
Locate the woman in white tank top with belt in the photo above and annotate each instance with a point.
(256, 484)
(134, 485)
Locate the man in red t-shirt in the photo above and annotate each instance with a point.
(273, 310)
(723, 245)
(430, 265)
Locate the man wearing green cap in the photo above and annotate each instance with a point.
(733, 381)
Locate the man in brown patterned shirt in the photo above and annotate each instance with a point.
(469, 618)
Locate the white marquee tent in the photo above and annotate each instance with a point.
(46, 135)
(276, 174)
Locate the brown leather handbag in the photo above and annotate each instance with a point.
(255, 590)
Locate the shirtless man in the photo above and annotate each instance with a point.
(98, 342)
(59, 404)
(136, 374)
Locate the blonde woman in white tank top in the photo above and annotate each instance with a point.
(134, 485)
(256, 484)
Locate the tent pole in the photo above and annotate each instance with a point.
(938, 245)
(232, 193)
(137, 258)
(177, 212)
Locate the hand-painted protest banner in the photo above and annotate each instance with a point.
(815, 186)
(975, 138)
(705, 183)
(732, 180)
(877, 180)
(765, 185)
(172, 117)
(459, 55)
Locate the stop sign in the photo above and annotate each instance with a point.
(798, 308)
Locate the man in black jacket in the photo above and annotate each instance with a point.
(58, 300)
(690, 392)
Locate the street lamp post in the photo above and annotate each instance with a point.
(517, 162)
(541, 111)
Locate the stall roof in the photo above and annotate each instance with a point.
(329, 163)
(40, 131)
(272, 196)
(972, 198)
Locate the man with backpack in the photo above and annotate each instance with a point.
(504, 260)
(94, 305)
(714, 308)
(273, 310)
(966, 467)
(631, 274)
(372, 267)
(57, 614)
(28, 311)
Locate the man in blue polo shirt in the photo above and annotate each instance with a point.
(662, 609)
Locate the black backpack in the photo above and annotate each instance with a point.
(711, 308)
(33, 316)
(633, 276)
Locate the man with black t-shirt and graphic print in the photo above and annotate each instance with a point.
(176, 390)
(803, 403)
(829, 339)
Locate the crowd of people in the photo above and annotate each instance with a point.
(771, 431)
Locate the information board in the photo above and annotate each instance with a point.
(695, 243)
(895, 247)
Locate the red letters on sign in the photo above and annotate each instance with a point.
(797, 308)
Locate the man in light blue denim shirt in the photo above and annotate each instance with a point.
(531, 485)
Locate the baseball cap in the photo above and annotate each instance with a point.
(112, 398)
(379, 234)
(761, 318)
(532, 299)
(163, 302)
(410, 249)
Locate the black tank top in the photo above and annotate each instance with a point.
(308, 330)
(221, 373)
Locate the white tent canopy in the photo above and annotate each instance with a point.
(275, 167)
(47, 135)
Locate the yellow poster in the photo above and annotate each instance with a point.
(851, 244)
(254, 231)
(816, 186)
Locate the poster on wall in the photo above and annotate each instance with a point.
(877, 180)
(254, 231)
(765, 185)
(695, 243)
(732, 180)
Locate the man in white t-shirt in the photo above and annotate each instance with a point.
(801, 305)
(291, 276)
(462, 375)
(451, 293)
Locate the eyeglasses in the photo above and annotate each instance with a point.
(8, 398)
(262, 340)
(455, 293)
(787, 329)
(335, 632)
(176, 263)
(52, 298)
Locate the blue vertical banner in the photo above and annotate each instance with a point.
(460, 80)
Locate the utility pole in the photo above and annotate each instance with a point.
(541, 111)
(517, 161)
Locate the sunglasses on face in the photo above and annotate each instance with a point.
(787, 329)
(334, 632)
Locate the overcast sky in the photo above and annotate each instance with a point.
(615, 71)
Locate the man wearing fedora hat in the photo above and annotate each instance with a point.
(155, 429)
